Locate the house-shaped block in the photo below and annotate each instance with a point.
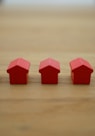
(49, 69)
(80, 71)
(18, 71)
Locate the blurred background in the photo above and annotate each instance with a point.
(53, 25)
(53, 2)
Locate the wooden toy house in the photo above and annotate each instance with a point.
(49, 69)
(18, 70)
(80, 71)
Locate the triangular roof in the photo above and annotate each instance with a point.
(49, 62)
(20, 62)
(76, 63)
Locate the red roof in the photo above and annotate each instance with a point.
(75, 64)
(49, 62)
(19, 62)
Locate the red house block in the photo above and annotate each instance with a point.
(80, 71)
(49, 70)
(18, 70)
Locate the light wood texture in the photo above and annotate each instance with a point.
(46, 110)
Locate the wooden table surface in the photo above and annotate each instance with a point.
(46, 110)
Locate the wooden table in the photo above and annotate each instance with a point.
(46, 110)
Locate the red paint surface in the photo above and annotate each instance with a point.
(18, 70)
(49, 69)
(80, 71)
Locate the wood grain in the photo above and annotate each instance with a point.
(46, 110)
